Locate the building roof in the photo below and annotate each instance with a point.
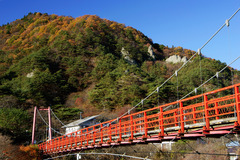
(80, 121)
(233, 144)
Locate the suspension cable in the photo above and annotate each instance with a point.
(47, 123)
(205, 82)
(199, 50)
(210, 78)
(219, 29)
(176, 73)
(166, 107)
(189, 92)
(57, 117)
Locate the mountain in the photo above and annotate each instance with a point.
(89, 64)
(92, 65)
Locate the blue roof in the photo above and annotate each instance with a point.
(233, 144)
(80, 121)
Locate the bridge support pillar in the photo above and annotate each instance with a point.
(236, 90)
(50, 123)
(101, 129)
(110, 132)
(145, 125)
(34, 123)
(161, 127)
(206, 112)
(120, 130)
(181, 117)
(132, 127)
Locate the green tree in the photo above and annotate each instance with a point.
(14, 122)
(105, 64)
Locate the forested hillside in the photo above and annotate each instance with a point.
(90, 64)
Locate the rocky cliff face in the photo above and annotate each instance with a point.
(151, 53)
(176, 59)
(126, 56)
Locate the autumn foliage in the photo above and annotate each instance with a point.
(77, 64)
(31, 150)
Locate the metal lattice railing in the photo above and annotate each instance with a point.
(188, 113)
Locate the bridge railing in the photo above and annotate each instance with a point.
(197, 111)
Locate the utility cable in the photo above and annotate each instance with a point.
(191, 147)
(156, 147)
(133, 149)
(210, 154)
(200, 153)
(111, 154)
(230, 138)
(233, 141)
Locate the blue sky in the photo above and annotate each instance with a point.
(185, 23)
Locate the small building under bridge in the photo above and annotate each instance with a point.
(81, 123)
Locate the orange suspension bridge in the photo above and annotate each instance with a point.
(213, 113)
(191, 118)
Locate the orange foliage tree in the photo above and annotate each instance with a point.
(31, 150)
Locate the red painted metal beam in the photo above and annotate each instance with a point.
(49, 123)
(236, 90)
(34, 123)
(158, 125)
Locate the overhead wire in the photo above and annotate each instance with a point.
(210, 154)
(191, 147)
(135, 157)
(111, 154)
(233, 141)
